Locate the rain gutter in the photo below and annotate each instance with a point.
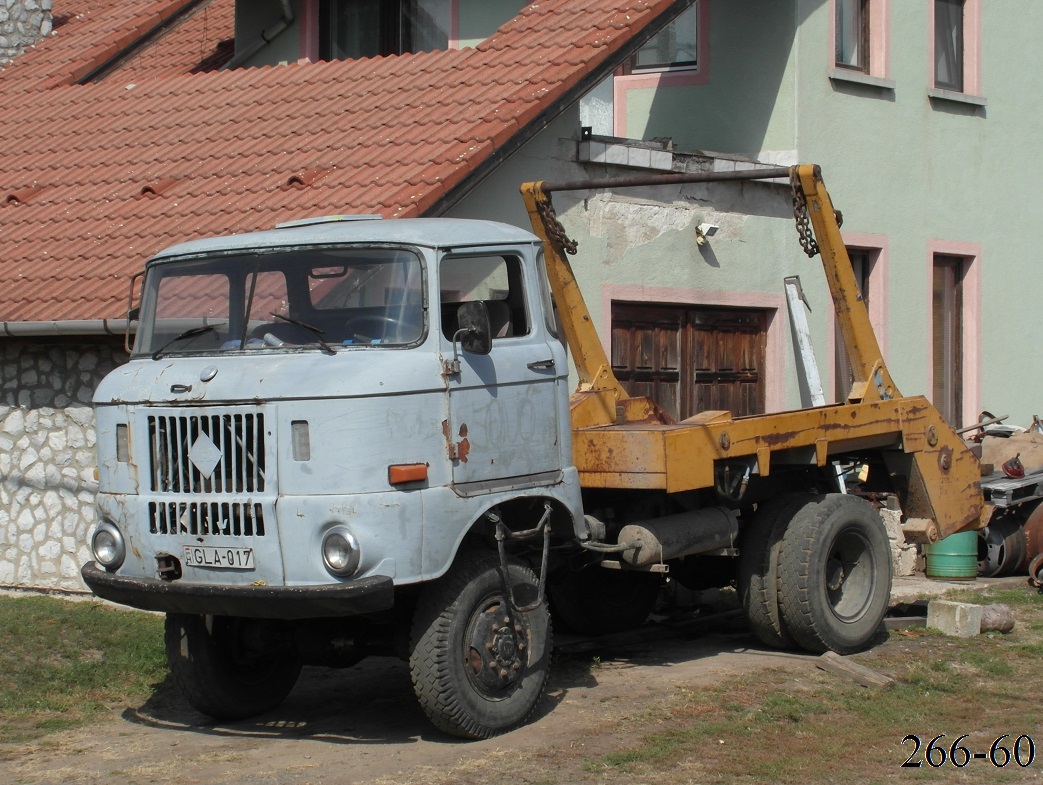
(114, 327)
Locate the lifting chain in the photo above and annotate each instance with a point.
(555, 231)
(800, 214)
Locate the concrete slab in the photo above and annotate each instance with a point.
(909, 589)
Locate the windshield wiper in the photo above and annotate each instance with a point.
(318, 333)
(190, 333)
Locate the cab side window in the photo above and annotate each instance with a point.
(495, 280)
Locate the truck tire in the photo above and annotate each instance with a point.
(759, 569)
(227, 667)
(596, 601)
(475, 673)
(834, 574)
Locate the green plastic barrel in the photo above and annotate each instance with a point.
(954, 558)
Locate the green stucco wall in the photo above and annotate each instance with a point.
(920, 172)
(747, 103)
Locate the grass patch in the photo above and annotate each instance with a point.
(64, 663)
(796, 728)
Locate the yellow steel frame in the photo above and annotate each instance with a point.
(627, 442)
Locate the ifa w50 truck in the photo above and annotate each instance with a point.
(350, 437)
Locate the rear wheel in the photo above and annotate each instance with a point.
(759, 569)
(230, 668)
(834, 574)
(479, 666)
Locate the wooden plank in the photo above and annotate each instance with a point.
(858, 673)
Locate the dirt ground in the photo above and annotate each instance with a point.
(363, 725)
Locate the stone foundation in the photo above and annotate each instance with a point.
(22, 23)
(47, 459)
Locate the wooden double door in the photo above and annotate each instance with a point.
(690, 359)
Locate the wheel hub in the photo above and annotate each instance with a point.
(850, 576)
(496, 650)
(834, 574)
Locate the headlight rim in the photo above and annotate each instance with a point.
(119, 546)
(354, 558)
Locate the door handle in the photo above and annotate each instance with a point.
(541, 365)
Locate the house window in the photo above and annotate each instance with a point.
(861, 42)
(955, 48)
(949, 45)
(852, 34)
(690, 359)
(676, 46)
(352, 29)
(947, 337)
(844, 377)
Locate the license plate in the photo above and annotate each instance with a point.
(219, 558)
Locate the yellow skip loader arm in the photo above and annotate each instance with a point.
(626, 442)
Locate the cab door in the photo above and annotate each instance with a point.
(504, 420)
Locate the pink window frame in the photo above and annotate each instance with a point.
(879, 38)
(773, 304)
(667, 77)
(876, 246)
(971, 321)
(971, 47)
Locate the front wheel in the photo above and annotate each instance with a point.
(478, 666)
(834, 574)
(230, 668)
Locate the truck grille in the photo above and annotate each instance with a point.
(207, 453)
(237, 519)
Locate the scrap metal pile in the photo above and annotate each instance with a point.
(1012, 485)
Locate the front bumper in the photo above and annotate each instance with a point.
(365, 595)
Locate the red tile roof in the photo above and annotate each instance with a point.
(96, 177)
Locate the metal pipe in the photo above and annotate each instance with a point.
(768, 173)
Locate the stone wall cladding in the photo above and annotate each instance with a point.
(22, 24)
(47, 460)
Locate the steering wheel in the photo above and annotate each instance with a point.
(388, 323)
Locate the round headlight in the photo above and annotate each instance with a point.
(107, 544)
(340, 552)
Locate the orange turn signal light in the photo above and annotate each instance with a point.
(407, 472)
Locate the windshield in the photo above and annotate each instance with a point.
(317, 298)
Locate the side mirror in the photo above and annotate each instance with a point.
(133, 311)
(475, 333)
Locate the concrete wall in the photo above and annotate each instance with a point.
(47, 459)
(22, 23)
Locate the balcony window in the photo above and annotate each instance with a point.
(352, 29)
(676, 46)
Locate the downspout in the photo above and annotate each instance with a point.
(267, 35)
